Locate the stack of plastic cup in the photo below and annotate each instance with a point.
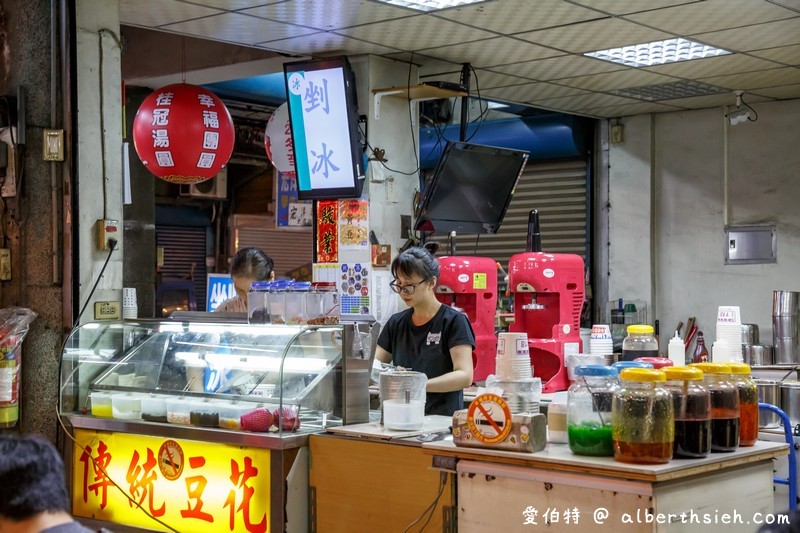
(729, 335)
(130, 308)
(601, 343)
(513, 357)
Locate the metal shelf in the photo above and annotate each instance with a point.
(413, 94)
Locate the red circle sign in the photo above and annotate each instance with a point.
(183, 133)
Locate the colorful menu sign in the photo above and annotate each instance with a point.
(191, 486)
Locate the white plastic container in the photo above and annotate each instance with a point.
(101, 404)
(126, 406)
(403, 416)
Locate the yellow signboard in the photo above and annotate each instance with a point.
(479, 280)
(191, 486)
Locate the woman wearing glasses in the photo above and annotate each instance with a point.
(428, 337)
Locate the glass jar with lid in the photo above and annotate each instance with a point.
(658, 363)
(640, 342)
(691, 404)
(258, 303)
(642, 418)
(589, 410)
(724, 405)
(748, 403)
(622, 365)
(322, 303)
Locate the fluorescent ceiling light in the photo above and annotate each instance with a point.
(497, 105)
(658, 53)
(429, 5)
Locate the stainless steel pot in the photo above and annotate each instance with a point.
(785, 303)
(758, 354)
(790, 401)
(749, 333)
(768, 392)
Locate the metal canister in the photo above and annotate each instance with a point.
(768, 392)
(786, 326)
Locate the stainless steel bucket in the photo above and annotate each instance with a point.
(768, 392)
(785, 303)
(790, 401)
(786, 326)
(749, 333)
(758, 354)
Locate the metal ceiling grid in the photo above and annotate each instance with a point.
(764, 36)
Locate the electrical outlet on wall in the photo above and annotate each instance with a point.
(107, 310)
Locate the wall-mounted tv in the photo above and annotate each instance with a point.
(471, 188)
(323, 112)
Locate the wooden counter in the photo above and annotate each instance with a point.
(363, 477)
(559, 491)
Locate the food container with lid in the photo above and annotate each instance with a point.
(642, 418)
(276, 299)
(154, 408)
(178, 411)
(101, 404)
(640, 342)
(230, 414)
(622, 365)
(748, 403)
(258, 303)
(724, 405)
(296, 295)
(657, 362)
(126, 406)
(322, 304)
(204, 413)
(589, 410)
(691, 403)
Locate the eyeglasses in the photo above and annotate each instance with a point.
(406, 289)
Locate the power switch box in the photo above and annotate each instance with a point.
(107, 310)
(106, 230)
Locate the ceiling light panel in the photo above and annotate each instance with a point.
(514, 16)
(657, 53)
(429, 5)
(670, 91)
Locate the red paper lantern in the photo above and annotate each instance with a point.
(183, 133)
(278, 139)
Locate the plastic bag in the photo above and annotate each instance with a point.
(14, 325)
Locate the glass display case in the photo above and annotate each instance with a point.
(277, 380)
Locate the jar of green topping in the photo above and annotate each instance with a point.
(589, 410)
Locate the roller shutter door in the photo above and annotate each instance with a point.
(184, 256)
(289, 248)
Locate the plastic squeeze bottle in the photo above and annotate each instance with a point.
(676, 351)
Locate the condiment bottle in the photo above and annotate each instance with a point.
(589, 410)
(642, 418)
(640, 342)
(676, 351)
(748, 403)
(724, 406)
(691, 402)
(700, 350)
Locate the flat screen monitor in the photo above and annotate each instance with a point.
(470, 189)
(323, 112)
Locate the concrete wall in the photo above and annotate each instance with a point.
(99, 167)
(668, 248)
(36, 224)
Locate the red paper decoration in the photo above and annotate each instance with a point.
(183, 133)
(278, 139)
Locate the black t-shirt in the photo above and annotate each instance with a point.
(426, 349)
